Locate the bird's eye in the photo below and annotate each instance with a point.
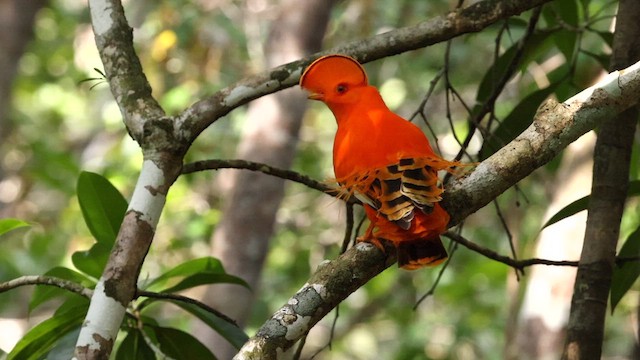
(341, 88)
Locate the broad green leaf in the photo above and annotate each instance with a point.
(601, 58)
(583, 203)
(536, 45)
(193, 273)
(516, 122)
(180, 345)
(92, 261)
(134, 347)
(627, 273)
(227, 330)
(65, 347)
(205, 278)
(102, 205)
(607, 36)
(7, 225)
(569, 210)
(42, 338)
(44, 293)
(75, 303)
(566, 11)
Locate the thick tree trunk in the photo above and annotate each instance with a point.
(241, 239)
(612, 156)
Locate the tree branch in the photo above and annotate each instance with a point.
(473, 18)
(514, 263)
(164, 140)
(163, 155)
(215, 164)
(46, 280)
(130, 88)
(554, 127)
(88, 293)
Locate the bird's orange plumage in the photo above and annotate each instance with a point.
(383, 159)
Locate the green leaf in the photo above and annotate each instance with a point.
(7, 225)
(205, 278)
(516, 122)
(75, 303)
(180, 345)
(44, 336)
(65, 347)
(601, 58)
(134, 347)
(607, 36)
(536, 45)
(627, 273)
(569, 210)
(102, 205)
(227, 330)
(92, 261)
(566, 12)
(583, 203)
(205, 270)
(44, 293)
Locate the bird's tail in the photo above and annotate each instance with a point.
(418, 253)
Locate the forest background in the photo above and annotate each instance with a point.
(54, 126)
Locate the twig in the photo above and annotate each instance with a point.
(488, 105)
(331, 335)
(554, 127)
(348, 228)
(432, 290)
(516, 264)
(301, 343)
(215, 164)
(46, 280)
(88, 293)
(505, 226)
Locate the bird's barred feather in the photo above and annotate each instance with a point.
(396, 190)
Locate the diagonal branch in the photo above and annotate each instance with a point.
(46, 280)
(514, 263)
(554, 127)
(216, 164)
(86, 292)
(473, 18)
(129, 85)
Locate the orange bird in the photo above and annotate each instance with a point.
(385, 161)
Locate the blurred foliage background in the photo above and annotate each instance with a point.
(58, 125)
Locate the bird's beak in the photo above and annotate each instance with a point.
(316, 96)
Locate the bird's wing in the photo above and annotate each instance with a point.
(396, 190)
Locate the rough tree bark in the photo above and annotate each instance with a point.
(147, 124)
(270, 137)
(612, 157)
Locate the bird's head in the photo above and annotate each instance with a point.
(332, 79)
